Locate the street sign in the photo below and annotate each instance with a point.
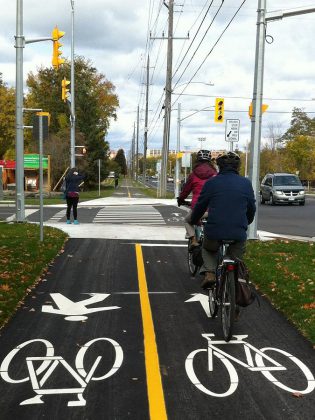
(232, 130)
(31, 161)
(186, 160)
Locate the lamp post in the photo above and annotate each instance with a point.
(19, 135)
(201, 139)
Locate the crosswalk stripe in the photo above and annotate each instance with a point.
(134, 215)
(58, 216)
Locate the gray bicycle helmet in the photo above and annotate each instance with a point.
(204, 155)
(229, 159)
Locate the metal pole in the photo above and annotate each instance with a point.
(145, 145)
(246, 158)
(168, 99)
(41, 208)
(137, 145)
(1, 184)
(99, 177)
(72, 106)
(177, 168)
(257, 103)
(19, 136)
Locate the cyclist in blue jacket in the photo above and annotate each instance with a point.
(229, 199)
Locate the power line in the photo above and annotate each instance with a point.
(217, 41)
(205, 15)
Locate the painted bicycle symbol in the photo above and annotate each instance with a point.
(263, 363)
(48, 363)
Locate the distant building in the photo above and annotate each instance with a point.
(158, 152)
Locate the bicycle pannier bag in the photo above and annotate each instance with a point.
(244, 293)
(197, 256)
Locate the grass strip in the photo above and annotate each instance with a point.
(284, 271)
(24, 259)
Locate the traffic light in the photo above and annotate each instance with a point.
(264, 108)
(56, 60)
(219, 110)
(65, 93)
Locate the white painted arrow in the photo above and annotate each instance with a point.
(203, 299)
(76, 311)
(177, 214)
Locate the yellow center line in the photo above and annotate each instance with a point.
(154, 381)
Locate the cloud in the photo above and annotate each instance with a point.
(113, 35)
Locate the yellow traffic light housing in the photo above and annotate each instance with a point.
(219, 110)
(65, 93)
(264, 108)
(56, 60)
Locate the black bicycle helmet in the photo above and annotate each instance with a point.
(204, 155)
(231, 159)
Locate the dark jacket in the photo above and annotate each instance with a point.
(231, 203)
(73, 181)
(196, 180)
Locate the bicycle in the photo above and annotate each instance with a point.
(262, 362)
(199, 234)
(222, 295)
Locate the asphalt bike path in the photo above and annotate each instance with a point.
(117, 329)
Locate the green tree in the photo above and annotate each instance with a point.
(120, 158)
(301, 124)
(7, 119)
(95, 102)
(300, 153)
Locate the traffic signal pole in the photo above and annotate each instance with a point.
(254, 163)
(20, 43)
(72, 104)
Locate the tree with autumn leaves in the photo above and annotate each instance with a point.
(95, 103)
(7, 121)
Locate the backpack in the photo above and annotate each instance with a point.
(63, 186)
(244, 294)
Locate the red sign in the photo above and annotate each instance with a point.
(7, 164)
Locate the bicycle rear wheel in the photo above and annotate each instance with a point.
(191, 266)
(228, 304)
(213, 304)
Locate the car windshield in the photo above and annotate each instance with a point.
(287, 180)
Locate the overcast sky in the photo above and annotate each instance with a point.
(113, 34)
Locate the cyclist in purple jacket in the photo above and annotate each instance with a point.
(203, 170)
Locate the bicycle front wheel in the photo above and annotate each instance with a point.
(191, 266)
(228, 304)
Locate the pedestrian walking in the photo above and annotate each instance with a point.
(73, 181)
(116, 180)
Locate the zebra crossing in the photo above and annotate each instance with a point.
(144, 215)
(58, 216)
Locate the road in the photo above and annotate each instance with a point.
(118, 329)
(282, 219)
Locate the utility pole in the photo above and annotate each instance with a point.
(201, 139)
(177, 167)
(133, 152)
(137, 145)
(168, 100)
(145, 145)
(254, 162)
(72, 105)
